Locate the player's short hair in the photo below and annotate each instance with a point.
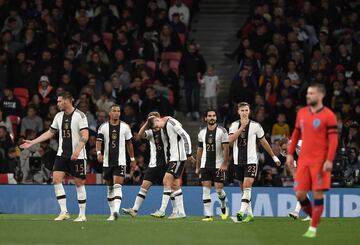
(114, 105)
(243, 104)
(151, 123)
(153, 114)
(283, 141)
(320, 87)
(66, 96)
(209, 110)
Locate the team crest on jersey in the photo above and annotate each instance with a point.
(113, 136)
(210, 139)
(316, 123)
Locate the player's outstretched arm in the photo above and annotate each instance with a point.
(45, 136)
(268, 149)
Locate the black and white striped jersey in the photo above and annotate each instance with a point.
(211, 141)
(179, 143)
(69, 127)
(158, 146)
(244, 148)
(114, 138)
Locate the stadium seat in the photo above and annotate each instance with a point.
(23, 95)
(171, 56)
(15, 122)
(182, 38)
(107, 39)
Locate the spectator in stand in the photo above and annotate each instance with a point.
(168, 78)
(5, 122)
(68, 84)
(31, 121)
(211, 83)
(169, 40)
(45, 90)
(10, 104)
(153, 102)
(5, 142)
(281, 128)
(180, 8)
(104, 103)
(192, 65)
(11, 164)
(176, 24)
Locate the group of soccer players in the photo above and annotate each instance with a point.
(170, 147)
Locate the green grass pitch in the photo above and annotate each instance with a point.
(41, 229)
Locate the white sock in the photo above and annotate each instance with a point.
(81, 196)
(117, 197)
(139, 199)
(179, 201)
(173, 203)
(297, 207)
(165, 199)
(61, 197)
(207, 201)
(222, 197)
(249, 209)
(245, 200)
(110, 198)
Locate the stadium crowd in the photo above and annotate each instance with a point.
(133, 53)
(283, 47)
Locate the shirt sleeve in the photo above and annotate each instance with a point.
(332, 132)
(128, 134)
(55, 125)
(100, 134)
(260, 132)
(83, 123)
(232, 128)
(200, 142)
(148, 134)
(183, 134)
(225, 137)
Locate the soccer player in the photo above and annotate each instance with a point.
(243, 134)
(115, 136)
(212, 162)
(157, 165)
(72, 126)
(316, 125)
(284, 144)
(179, 150)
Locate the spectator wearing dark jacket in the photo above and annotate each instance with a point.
(191, 65)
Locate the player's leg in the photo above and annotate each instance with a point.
(206, 184)
(78, 171)
(320, 182)
(145, 186)
(81, 196)
(249, 176)
(60, 167)
(167, 182)
(219, 187)
(177, 192)
(58, 177)
(302, 186)
(118, 179)
(108, 177)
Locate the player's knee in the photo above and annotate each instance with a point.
(301, 196)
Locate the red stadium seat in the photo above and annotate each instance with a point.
(171, 56)
(23, 95)
(107, 39)
(182, 38)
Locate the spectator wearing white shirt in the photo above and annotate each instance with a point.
(182, 9)
(211, 83)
